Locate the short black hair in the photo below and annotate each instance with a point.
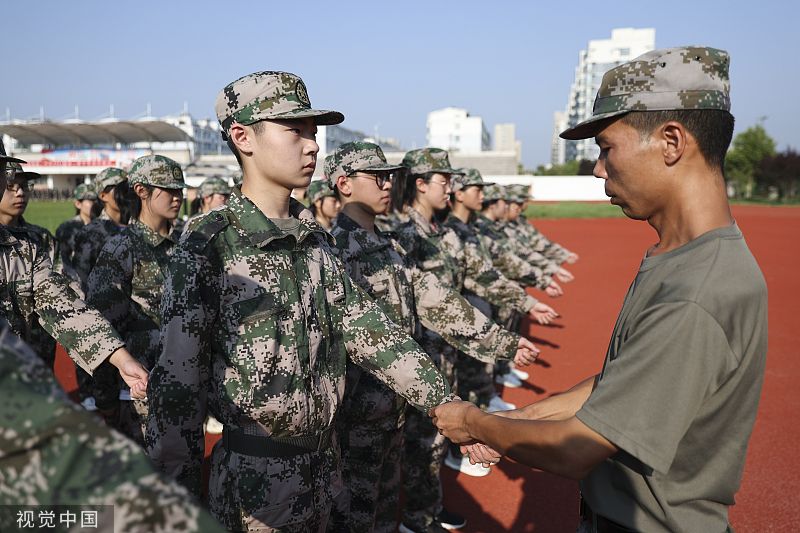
(712, 128)
(258, 127)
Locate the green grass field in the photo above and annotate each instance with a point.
(573, 210)
(49, 214)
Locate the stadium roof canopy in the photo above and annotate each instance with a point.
(79, 133)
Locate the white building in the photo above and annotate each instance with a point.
(600, 56)
(454, 130)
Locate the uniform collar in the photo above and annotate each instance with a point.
(6, 237)
(153, 238)
(261, 230)
(424, 225)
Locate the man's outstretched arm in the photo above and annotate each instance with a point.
(559, 443)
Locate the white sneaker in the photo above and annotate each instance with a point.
(462, 464)
(213, 426)
(521, 374)
(508, 380)
(498, 404)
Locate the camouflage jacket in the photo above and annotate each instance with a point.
(258, 325)
(29, 289)
(493, 235)
(88, 243)
(66, 234)
(459, 264)
(376, 263)
(540, 243)
(126, 285)
(52, 452)
(38, 338)
(494, 250)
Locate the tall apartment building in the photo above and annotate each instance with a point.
(455, 130)
(600, 56)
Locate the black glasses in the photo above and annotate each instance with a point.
(381, 177)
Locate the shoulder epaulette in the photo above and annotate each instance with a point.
(201, 233)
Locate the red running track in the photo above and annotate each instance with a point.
(518, 499)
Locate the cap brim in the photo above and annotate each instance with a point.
(28, 175)
(321, 117)
(591, 127)
(9, 159)
(383, 166)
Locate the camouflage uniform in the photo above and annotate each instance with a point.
(94, 235)
(126, 286)
(38, 338)
(30, 289)
(257, 324)
(68, 231)
(438, 250)
(209, 187)
(54, 453)
(370, 422)
(89, 240)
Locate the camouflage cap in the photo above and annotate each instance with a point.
(355, 156)
(268, 95)
(156, 170)
(214, 186)
(424, 160)
(492, 192)
(318, 189)
(84, 192)
(466, 178)
(689, 77)
(522, 193)
(109, 177)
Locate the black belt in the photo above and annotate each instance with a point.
(235, 440)
(599, 523)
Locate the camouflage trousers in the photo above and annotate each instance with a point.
(424, 451)
(371, 458)
(274, 494)
(131, 420)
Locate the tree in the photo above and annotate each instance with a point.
(781, 171)
(749, 148)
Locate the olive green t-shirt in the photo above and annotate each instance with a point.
(680, 386)
(290, 226)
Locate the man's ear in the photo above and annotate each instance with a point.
(241, 137)
(344, 186)
(674, 138)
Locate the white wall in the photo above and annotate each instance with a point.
(557, 188)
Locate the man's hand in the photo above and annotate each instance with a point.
(451, 419)
(554, 290)
(527, 352)
(132, 372)
(564, 275)
(480, 453)
(572, 258)
(543, 313)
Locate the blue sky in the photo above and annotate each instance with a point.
(383, 64)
